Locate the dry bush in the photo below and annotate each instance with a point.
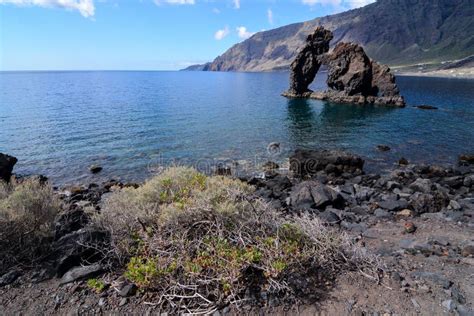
(204, 242)
(27, 212)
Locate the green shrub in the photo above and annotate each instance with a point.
(96, 285)
(205, 241)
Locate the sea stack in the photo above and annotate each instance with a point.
(352, 76)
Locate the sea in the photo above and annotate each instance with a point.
(135, 123)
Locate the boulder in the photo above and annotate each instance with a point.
(6, 166)
(70, 221)
(466, 159)
(383, 81)
(349, 70)
(421, 185)
(428, 203)
(312, 194)
(300, 197)
(308, 162)
(9, 277)
(78, 247)
(80, 273)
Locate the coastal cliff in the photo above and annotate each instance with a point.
(409, 34)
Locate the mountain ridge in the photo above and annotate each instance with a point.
(394, 32)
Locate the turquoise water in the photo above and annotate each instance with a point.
(59, 123)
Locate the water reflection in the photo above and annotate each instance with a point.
(323, 124)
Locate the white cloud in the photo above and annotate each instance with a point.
(177, 2)
(348, 4)
(236, 4)
(85, 7)
(220, 34)
(243, 33)
(323, 2)
(216, 11)
(270, 16)
(358, 3)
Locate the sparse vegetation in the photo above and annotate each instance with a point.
(96, 285)
(27, 212)
(205, 242)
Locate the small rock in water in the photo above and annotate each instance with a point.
(467, 159)
(95, 169)
(410, 228)
(403, 161)
(426, 107)
(383, 148)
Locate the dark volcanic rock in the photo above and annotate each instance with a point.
(466, 159)
(79, 273)
(383, 81)
(95, 169)
(428, 203)
(352, 76)
(69, 222)
(306, 64)
(349, 70)
(426, 107)
(312, 194)
(6, 166)
(78, 247)
(383, 148)
(9, 277)
(308, 162)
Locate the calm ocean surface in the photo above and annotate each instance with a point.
(59, 123)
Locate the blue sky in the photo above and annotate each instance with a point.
(139, 34)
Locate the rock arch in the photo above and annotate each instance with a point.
(352, 76)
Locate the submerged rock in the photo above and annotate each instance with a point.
(383, 148)
(426, 107)
(95, 169)
(6, 166)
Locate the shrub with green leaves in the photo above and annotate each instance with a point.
(203, 242)
(96, 285)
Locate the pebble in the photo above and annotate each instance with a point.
(468, 251)
(415, 303)
(449, 305)
(404, 213)
(123, 302)
(410, 228)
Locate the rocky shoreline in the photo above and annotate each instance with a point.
(418, 218)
